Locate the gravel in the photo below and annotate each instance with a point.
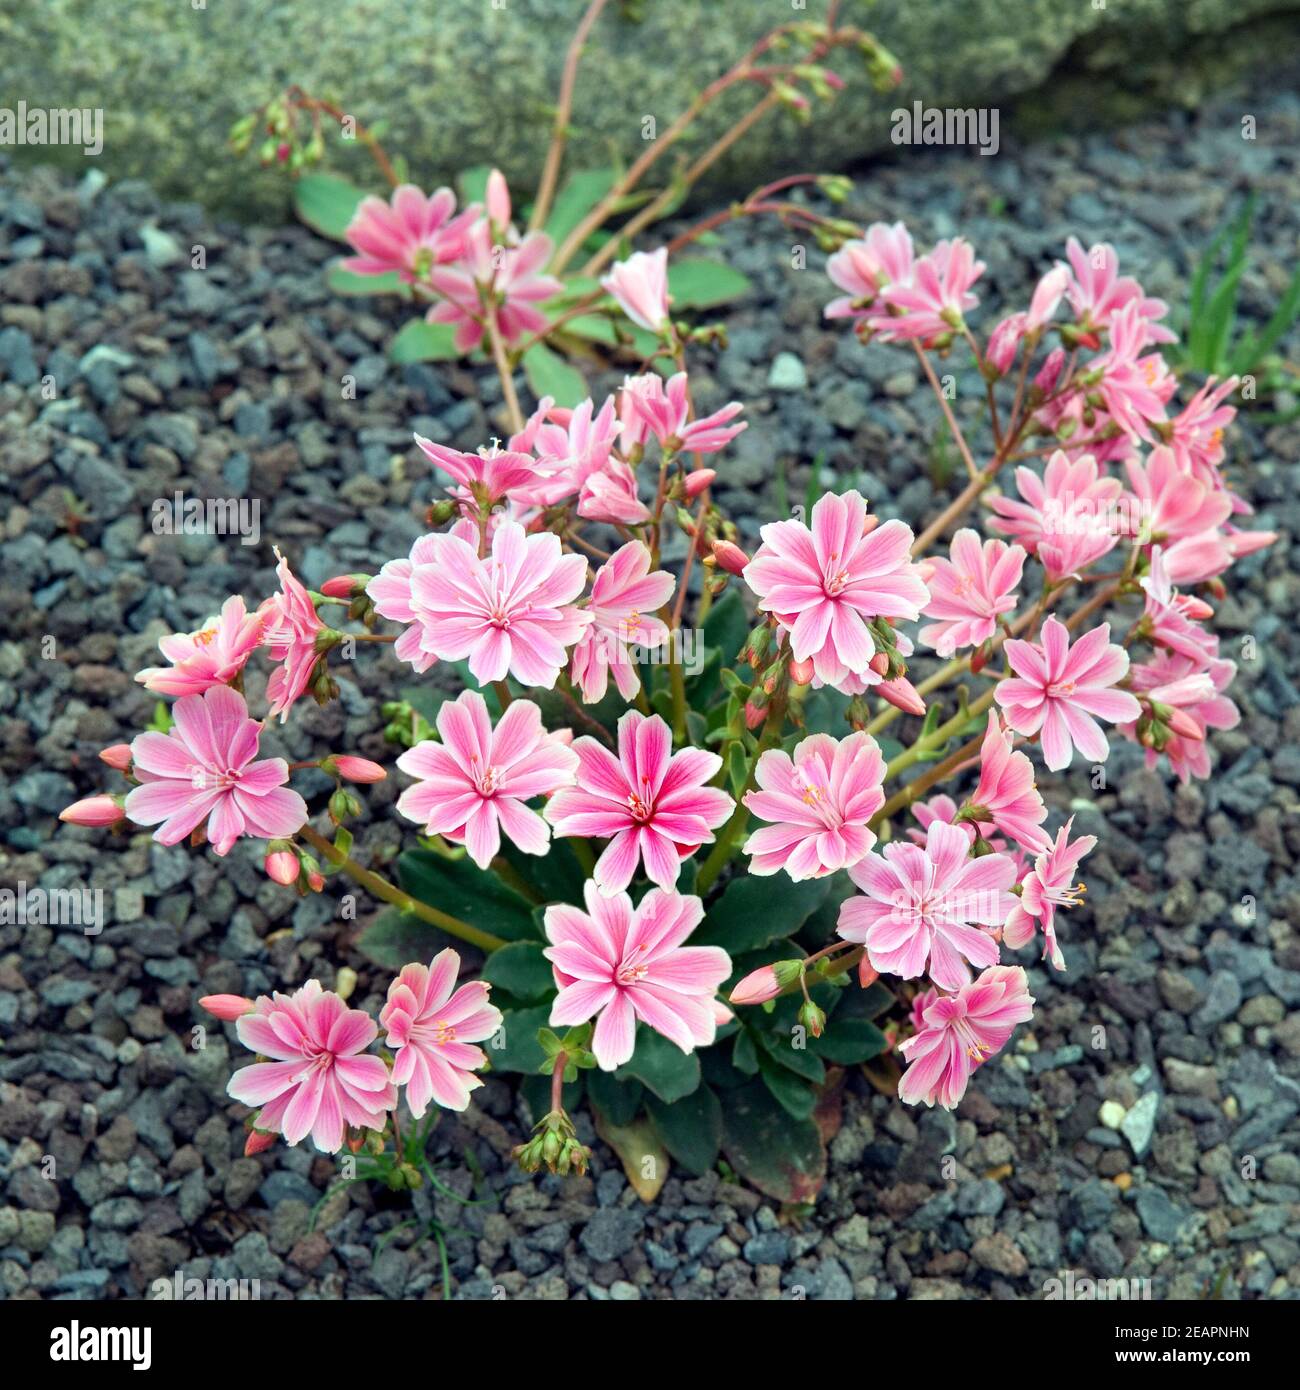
(1143, 1127)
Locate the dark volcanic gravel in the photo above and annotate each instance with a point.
(1144, 1127)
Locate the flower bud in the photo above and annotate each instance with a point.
(93, 810)
(498, 199)
(754, 714)
(118, 756)
(901, 693)
(801, 672)
(227, 1007)
(1184, 725)
(1050, 372)
(730, 557)
(867, 973)
(258, 1141)
(766, 982)
(698, 480)
(813, 1017)
(355, 769)
(343, 585)
(316, 881)
(879, 663)
(281, 866)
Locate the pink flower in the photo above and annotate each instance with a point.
(621, 964)
(862, 268)
(1098, 291)
(624, 597)
(93, 811)
(1133, 389)
(484, 477)
(410, 235)
(1067, 517)
(434, 1031)
(509, 275)
(611, 496)
(640, 285)
(665, 412)
(390, 591)
(650, 803)
(291, 625)
(1045, 888)
(919, 905)
(206, 769)
(214, 655)
(827, 583)
(962, 1031)
(354, 769)
(474, 784)
(1171, 618)
(931, 305)
(1197, 430)
(1007, 791)
(1159, 679)
(572, 446)
(1058, 688)
(510, 612)
(971, 591)
(1172, 503)
(818, 803)
(318, 1081)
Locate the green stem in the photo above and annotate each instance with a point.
(508, 874)
(381, 888)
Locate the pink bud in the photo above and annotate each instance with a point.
(867, 974)
(757, 987)
(1185, 726)
(282, 151)
(341, 586)
(93, 810)
(879, 663)
(258, 1142)
(801, 672)
(721, 1014)
(498, 199)
(316, 881)
(1196, 608)
(227, 1006)
(1050, 372)
(1003, 342)
(730, 557)
(357, 769)
(869, 523)
(754, 714)
(698, 480)
(118, 755)
(282, 866)
(902, 693)
(833, 79)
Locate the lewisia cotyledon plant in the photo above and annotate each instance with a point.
(662, 838)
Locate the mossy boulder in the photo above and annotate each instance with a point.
(464, 82)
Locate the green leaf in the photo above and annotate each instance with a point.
(326, 203)
(644, 1159)
(550, 375)
(556, 876)
(799, 1060)
(780, 1155)
(397, 938)
(581, 192)
(462, 889)
(514, 1046)
(594, 327)
(753, 912)
(727, 625)
(690, 1129)
(795, 1096)
(348, 282)
(617, 1100)
(848, 1041)
(696, 283)
(663, 1067)
(522, 969)
(424, 342)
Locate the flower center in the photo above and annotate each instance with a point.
(442, 1032)
(642, 806)
(487, 779)
(836, 583)
(204, 638)
(1060, 690)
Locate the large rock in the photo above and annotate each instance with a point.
(466, 82)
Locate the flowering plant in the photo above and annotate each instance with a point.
(667, 809)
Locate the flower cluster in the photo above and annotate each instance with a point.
(541, 587)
